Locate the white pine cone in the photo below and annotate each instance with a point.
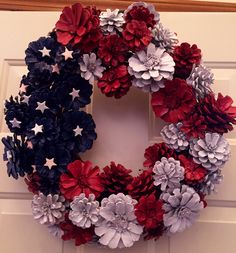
(210, 182)
(150, 67)
(110, 21)
(48, 210)
(84, 211)
(212, 152)
(168, 173)
(201, 79)
(182, 207)
(118, 227)
(174, 137)
(164, 38)
(91, 68)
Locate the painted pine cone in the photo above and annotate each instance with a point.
(174, 137)
(212, 152)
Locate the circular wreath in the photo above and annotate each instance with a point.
(115, 50)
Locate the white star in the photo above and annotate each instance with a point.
(26, 99)
(49, 163)
(45, 51)
(67, 54)
(55, 69)
(15, 123)
(23, 88)
(78, 130)
(74, 94)
(37, 129)
(29, 145)
(41, 106)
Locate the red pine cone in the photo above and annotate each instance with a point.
(142, 185)
(155, 233)
(156, 152)
(112, 50)
(79, 26)
(81, 177)
(140, 13)
(80, 235)
(219, 114)
(149, 211)
(193, 173)
(115, 81)
(185, 56)
(194, 126)
(173, 102)
(115, 178)
(33, 182)
(137, 35)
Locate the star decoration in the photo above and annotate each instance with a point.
(67, 54)
(74, 94)
(15, 123)
(78, 130)
(55, 69)
(29, 145)
(49, 163)
(45, 52)
(41, 106)
(23, 88)
(26, 99)
(37, 129)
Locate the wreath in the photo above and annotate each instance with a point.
(115, 50)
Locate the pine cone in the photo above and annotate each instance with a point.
(219, 113)
(142, 185)
(156, 152)
(174, 137)
(201, 79)
(185, 56)
(115, 179)
(194, 126)
(182, 207)
(210, 182)
(111, 21)
(212, 152)
(48, 210)
(168, 173)
(84, 210)
(164, 38)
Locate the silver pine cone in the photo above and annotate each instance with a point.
(174, 137)
(212, 152)
(164, 38)
(168, 173)
(201, 79)
(84, 211)
(110, 21)
(48, 210)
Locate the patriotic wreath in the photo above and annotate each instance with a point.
(115, 50)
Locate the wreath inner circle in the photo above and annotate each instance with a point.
(116, 50)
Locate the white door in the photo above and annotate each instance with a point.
(125, 127)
